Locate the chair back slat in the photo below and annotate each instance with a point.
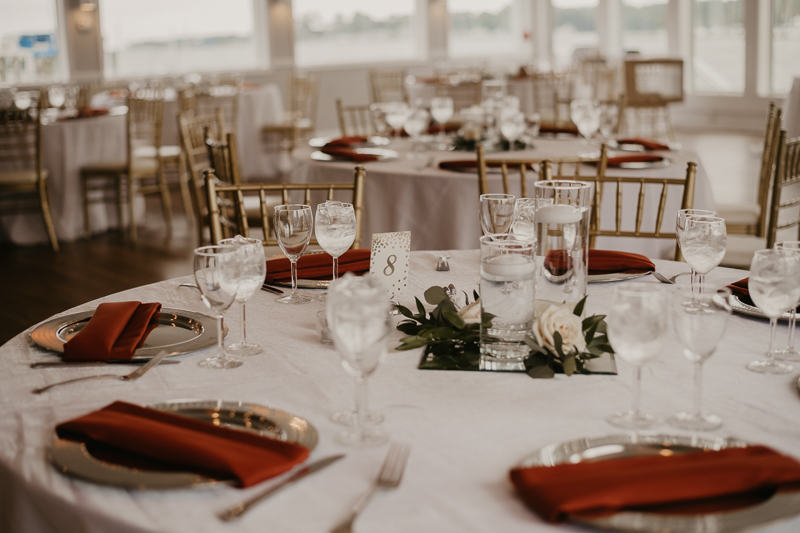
(787, 174)
(388, 85)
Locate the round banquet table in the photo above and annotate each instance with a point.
(467, 429)
(440, 207)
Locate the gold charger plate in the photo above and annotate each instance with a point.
(779, 507)
(178, 331)
(73, 458)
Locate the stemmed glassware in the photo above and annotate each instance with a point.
(217, 271)
(254, 270)
(585, 114)
(378, 114)
(790, 353)
(609, 116)
(497, 213)
(699, 330)
(637, 324)
(415, 125)
(441, 111)
(774, 287)
(512, 125)
(358, 315)
(335, 227)
(293, 225)
(524, 222)
(396, 115)
(703, 242)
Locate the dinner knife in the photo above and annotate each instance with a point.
(239, 509)
(268, 288)
(53, 364)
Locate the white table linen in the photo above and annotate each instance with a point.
(791, 110)
(467, 429)
(440, 207)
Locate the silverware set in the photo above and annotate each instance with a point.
(664, 279)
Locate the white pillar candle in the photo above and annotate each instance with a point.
(508, 267)
(558, 214)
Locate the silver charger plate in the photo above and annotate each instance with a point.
(639, 165)
(618, 276)
(383, 154)
(178, 331)
(374, 140)
(73, 459)
(779, 507)
(750, 310)
(633, 147)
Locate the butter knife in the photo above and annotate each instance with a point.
(239, 509)
(268, 288)
(54, 364)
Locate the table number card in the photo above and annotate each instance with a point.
(389, 260)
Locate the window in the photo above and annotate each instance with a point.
(785, 44)
(486, 29)
(574, 29)
(157, 37)
(644, 27)
(718, 46)
(29, 49)
(353, 31)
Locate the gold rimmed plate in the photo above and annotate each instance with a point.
(778, 507)
(178, 331)
(74, 458)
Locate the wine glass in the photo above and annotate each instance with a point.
(22, 100)
(217, 271)
(585, 114)
(512, 124)
(378, 114)
(699, 330)
(774, 286)
(416, 123)
(56, 96)
(703, 243)
(335, 227)
(790, 353)
(293, 225)
(396, 115)
(524, 221)
(609, 116)
(358, 316)
(497, 213)
(254, 270)
(441, 111)
(637, 324)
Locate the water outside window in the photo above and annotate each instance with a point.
(719, 46)
(644, 27)
(785, 44)
(354, 31)
(29, 48)
(487, 29)
(575, 27)
(157, 37)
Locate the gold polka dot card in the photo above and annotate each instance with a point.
(389, 260)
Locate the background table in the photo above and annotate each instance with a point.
(440, 207)
(467, 429)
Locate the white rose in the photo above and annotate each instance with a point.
(557, 318)
(471, 313)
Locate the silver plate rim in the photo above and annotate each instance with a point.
(781, 506)
(642, 165)
(620, 276)
(751, 310)
(372, 140)
(384, 154)
(73, 459)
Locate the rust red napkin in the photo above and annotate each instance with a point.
(115, 331)
(637, 158)
(557, 262)
(318, 266)
(740, 289)
(554, 130)
(462, 165)
(185, 443)
(716, 478)
(348, 154)
(646, 143)
(346, 142)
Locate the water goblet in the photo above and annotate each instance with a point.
(524, 220)
(293, 224)
(497, 213)
(22, 100)
(703, 243)
(790, 353)
(335, 227)
(637, 324)
(609, 116)
(217, 271)
(254, 270)
(358, 316)
(774, 286)
(699, 330)
(441, 111)
(585, 114)
(415, 125)
(396, 115)
(512, 125)
(56, 96)
(378, 114)
(680, 226)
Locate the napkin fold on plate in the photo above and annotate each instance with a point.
(115, 331)
(348, 154)
(346, 142)
(740, 289)
(469, 165)
(646, 143)
(701, 482)
(634, 158)
(183, 443)
(558, 262)
(318, 266)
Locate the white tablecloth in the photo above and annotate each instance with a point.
(440, 207)
(791, 110)
(467, 429)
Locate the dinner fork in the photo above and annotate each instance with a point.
(136, 374)
(389, 478)
(664, 279)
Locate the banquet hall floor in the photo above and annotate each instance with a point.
(36, 283)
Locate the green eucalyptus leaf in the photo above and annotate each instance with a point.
(557, 341)
(455, 319)
(541, 372)
(420, 307)
(435, 294)
(409, 328)
(578, 311)
(405, 311)
(569, 365)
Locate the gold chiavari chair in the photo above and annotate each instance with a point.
(23, 179)
(217, 194)
(299, 121)
(354, 119)
(464, 93)
(388, 85)
(785, 212)
(623, 184)
(650, 86)
(135, 175)
(552, 94)
(193, 132)
(569, 168)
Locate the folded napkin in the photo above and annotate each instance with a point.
(552, 129)
(318, 266)
(740, 289)
(637, 158)
(461, 165)
(115, 331)
(346, 142)
(558, 262)
(648, 144)
(348, 154)
(184, 443)
(644, 483)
